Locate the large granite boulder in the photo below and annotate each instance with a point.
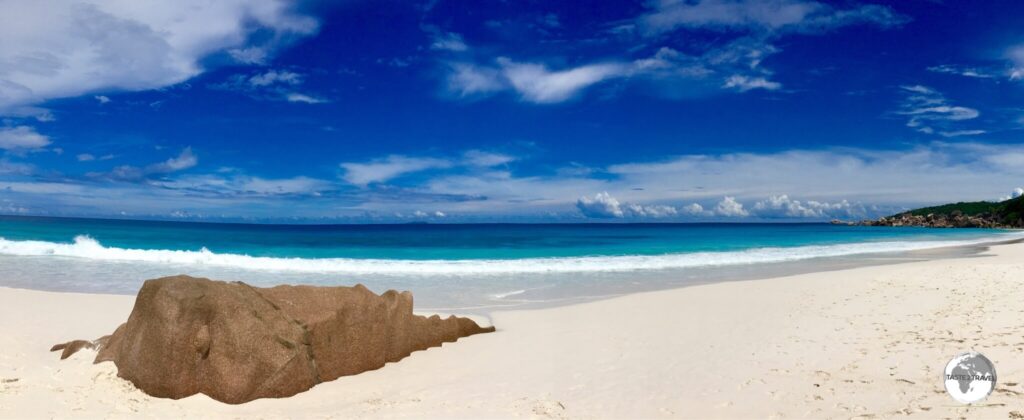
(237, 343)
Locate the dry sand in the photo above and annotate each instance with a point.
(864, 342)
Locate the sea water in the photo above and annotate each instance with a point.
(449, 267)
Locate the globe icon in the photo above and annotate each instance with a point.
(969, 377)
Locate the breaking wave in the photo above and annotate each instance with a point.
(88, 248)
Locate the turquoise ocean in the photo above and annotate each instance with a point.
(447, 266)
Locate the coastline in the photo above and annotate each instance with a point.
(484, 285)
(865, 341)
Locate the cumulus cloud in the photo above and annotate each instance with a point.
(102, 99)
(602, 206)
(55, 49)
(931, 113)
(654, 211)
(824, 183)
(694, 210)
(22, 138)
(381, 170)
(1017, 192)
(423, 214)
(729, 207)
(783, 206)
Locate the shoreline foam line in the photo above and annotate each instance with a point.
(85, 247)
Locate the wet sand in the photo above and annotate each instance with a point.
(853, 342)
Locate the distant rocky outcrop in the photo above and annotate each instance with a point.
(236, 343)
(955, 219)
(981, 214)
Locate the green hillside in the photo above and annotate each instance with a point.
(1007, 212)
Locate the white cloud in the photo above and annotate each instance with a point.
(1017, 192)
(960, 133)
(186, 159)
(102, 99)
(303, 98)
(972, 72)
(275, 77)
(710, 66)
(602, 206)
(22, 138)
(1016, 56)
(275, 84)
(734, 65)
(244, 185)
(729, 207)
(652, 211)
(251, 55)
(783, 206)
(885, 181)
(535, 83)
(54, 49)
(486, 159)
(826, 183)
(467, 79)
(449, 42)
(760, 15)
(381, 170)
(423, 214)
(931, 113)
(694, 210)
(89, 157)
(745, 83)
(14, 168)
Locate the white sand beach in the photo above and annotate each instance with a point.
(858, 343)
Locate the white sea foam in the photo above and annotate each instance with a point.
(499, 296)
(88, 248)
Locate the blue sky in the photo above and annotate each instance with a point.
(453, 111)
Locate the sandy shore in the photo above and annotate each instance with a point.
(868, 342)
